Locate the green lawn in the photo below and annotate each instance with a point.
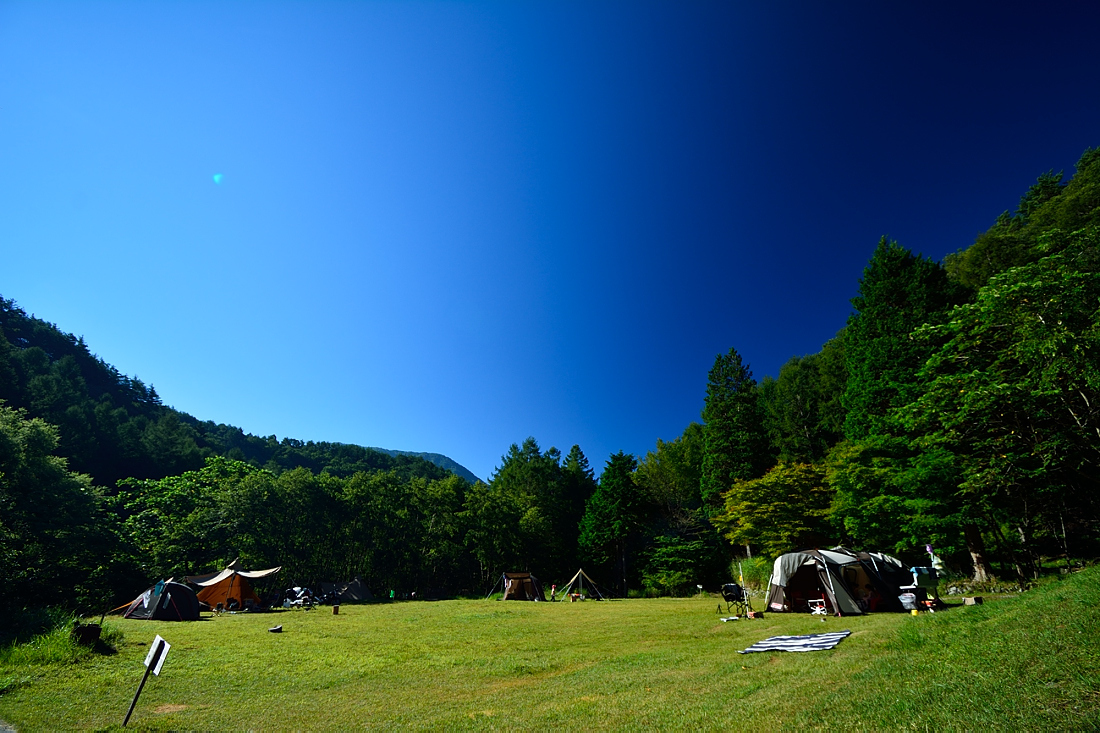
(1029, 662)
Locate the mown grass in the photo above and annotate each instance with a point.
(1029, 662)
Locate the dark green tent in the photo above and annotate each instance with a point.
(165, 601)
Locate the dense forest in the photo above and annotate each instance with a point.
(958, 407)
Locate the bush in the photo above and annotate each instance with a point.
(757, 571)
(44, 636)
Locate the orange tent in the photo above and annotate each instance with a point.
(230, 587)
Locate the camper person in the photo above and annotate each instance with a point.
(872, 598)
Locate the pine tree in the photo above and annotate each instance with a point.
(898, 293)
(612, 517)
(734, 433)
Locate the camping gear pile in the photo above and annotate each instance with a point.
(923, 594)
(837, 582)
(299, 597)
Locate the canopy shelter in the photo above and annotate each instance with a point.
(230, 587)
(165, 601)
(583, 585)
(849, 582)
(519, 587)
(348, 592)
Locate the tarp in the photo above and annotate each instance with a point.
(230, 587)
(804, 643)
(233, 568)
(165, 601)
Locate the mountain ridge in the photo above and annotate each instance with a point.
(113, 426)
(436, 458)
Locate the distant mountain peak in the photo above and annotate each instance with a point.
(437, 458)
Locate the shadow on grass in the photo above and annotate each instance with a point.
(23, 626)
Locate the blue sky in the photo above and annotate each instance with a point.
(447, 226)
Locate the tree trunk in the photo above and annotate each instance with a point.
(622, 563)
(748, 551)
(1029, 556)
(1065, 542)
(1007, 553)
(976, 545)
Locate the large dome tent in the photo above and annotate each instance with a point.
(838, 576)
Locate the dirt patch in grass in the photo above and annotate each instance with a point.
(169, 708)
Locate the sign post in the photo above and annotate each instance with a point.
(154, 660)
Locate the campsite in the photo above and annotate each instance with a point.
(602, 366)
(1025, 661)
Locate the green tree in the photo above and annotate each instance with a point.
(802, 406)
(898, 293)
(684, 548)
(522, 517)
(55, 543)
(1013, 240)
(734, 432)
(612, 519)
(182, 525)
(787, 508)
(889, 494)
(578, 484)
(1014, 393)
(671, 475)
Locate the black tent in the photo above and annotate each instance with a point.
(348, 592)
(165, 601)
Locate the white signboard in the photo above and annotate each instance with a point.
(157, 652)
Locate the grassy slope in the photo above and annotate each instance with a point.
(1028, 662)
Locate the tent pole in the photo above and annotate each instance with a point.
(836, 606)
(494, 587)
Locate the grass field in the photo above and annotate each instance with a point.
(1029, 662)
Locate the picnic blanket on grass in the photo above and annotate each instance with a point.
(805, 643)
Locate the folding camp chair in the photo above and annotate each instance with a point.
(735, 598)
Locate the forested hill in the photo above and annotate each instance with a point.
(113, 426)
(438, 459)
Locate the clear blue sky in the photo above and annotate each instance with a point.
(447, 226)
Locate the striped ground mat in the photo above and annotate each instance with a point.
(806, 643)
